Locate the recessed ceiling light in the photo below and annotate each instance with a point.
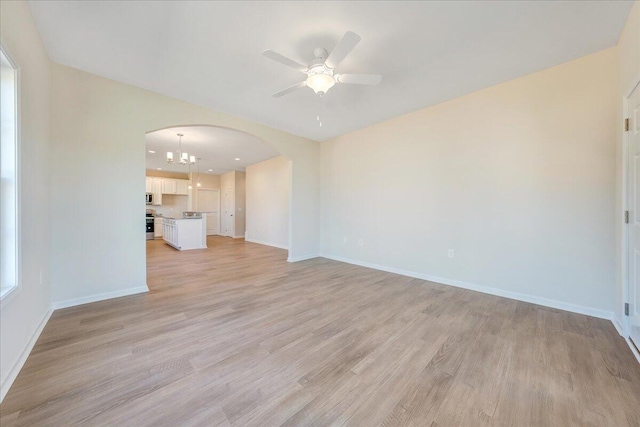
(237, 158)
(152, 152)
(209, 170)
(159, 169)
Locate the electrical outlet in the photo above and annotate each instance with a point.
(360, 242)
(451, 253)
(344, 240)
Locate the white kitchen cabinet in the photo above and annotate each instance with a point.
(158, 227)
(157, 191)
(170, 232)
(184, 234)
(182, 187)
(149, 185)
(169, 186)
(175, 186)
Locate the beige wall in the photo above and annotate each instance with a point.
(206, 180)
(22, 314)
(167, 174)
(628, 75)
(268, 189)
(518, 179)
(172, 205)
(99, 125)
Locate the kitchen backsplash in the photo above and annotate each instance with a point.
(172, 205)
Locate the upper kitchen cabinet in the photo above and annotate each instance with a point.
(149, 185)
(175, 186)
(182, 186)
(169, 186)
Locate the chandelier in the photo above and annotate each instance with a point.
(183, 157)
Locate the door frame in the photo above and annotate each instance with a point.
(622, 325)
(217, 190)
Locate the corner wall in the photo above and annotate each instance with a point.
(26, 311)
(267, 195)
(518, 179)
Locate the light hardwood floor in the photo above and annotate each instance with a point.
(235, 335)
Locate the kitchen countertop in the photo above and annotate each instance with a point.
(170, 217)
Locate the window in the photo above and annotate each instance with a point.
(8, 177)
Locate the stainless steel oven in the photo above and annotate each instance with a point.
(150, 217)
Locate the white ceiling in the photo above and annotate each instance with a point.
(209, 53)
(218, 148)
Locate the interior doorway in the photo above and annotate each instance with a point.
(211, 184)
(632, 304)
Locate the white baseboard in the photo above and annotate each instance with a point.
(239, 237)
(617, 324)
(6, 382)
(633, 348)
(99, 297)
(260, 242)
(589, 311)
(302, 258)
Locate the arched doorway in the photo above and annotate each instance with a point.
(239, 183)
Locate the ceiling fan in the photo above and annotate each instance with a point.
(320, 72)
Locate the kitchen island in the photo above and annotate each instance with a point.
(185, 233)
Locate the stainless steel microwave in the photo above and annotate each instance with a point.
(149, 198)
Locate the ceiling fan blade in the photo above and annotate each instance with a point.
(342, 49)
(284, 60)
(359, 79)
(289, 89)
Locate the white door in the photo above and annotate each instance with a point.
(634, 215)
(228, 207)
(157, 191)
(208, 202)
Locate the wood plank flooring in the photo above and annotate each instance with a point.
(235, 335)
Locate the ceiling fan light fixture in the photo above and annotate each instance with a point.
(320, 72)
(320, 82)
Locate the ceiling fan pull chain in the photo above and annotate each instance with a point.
(320, 110)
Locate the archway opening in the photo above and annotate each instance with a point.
(236, 184)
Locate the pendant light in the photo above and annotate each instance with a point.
(198, 168)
